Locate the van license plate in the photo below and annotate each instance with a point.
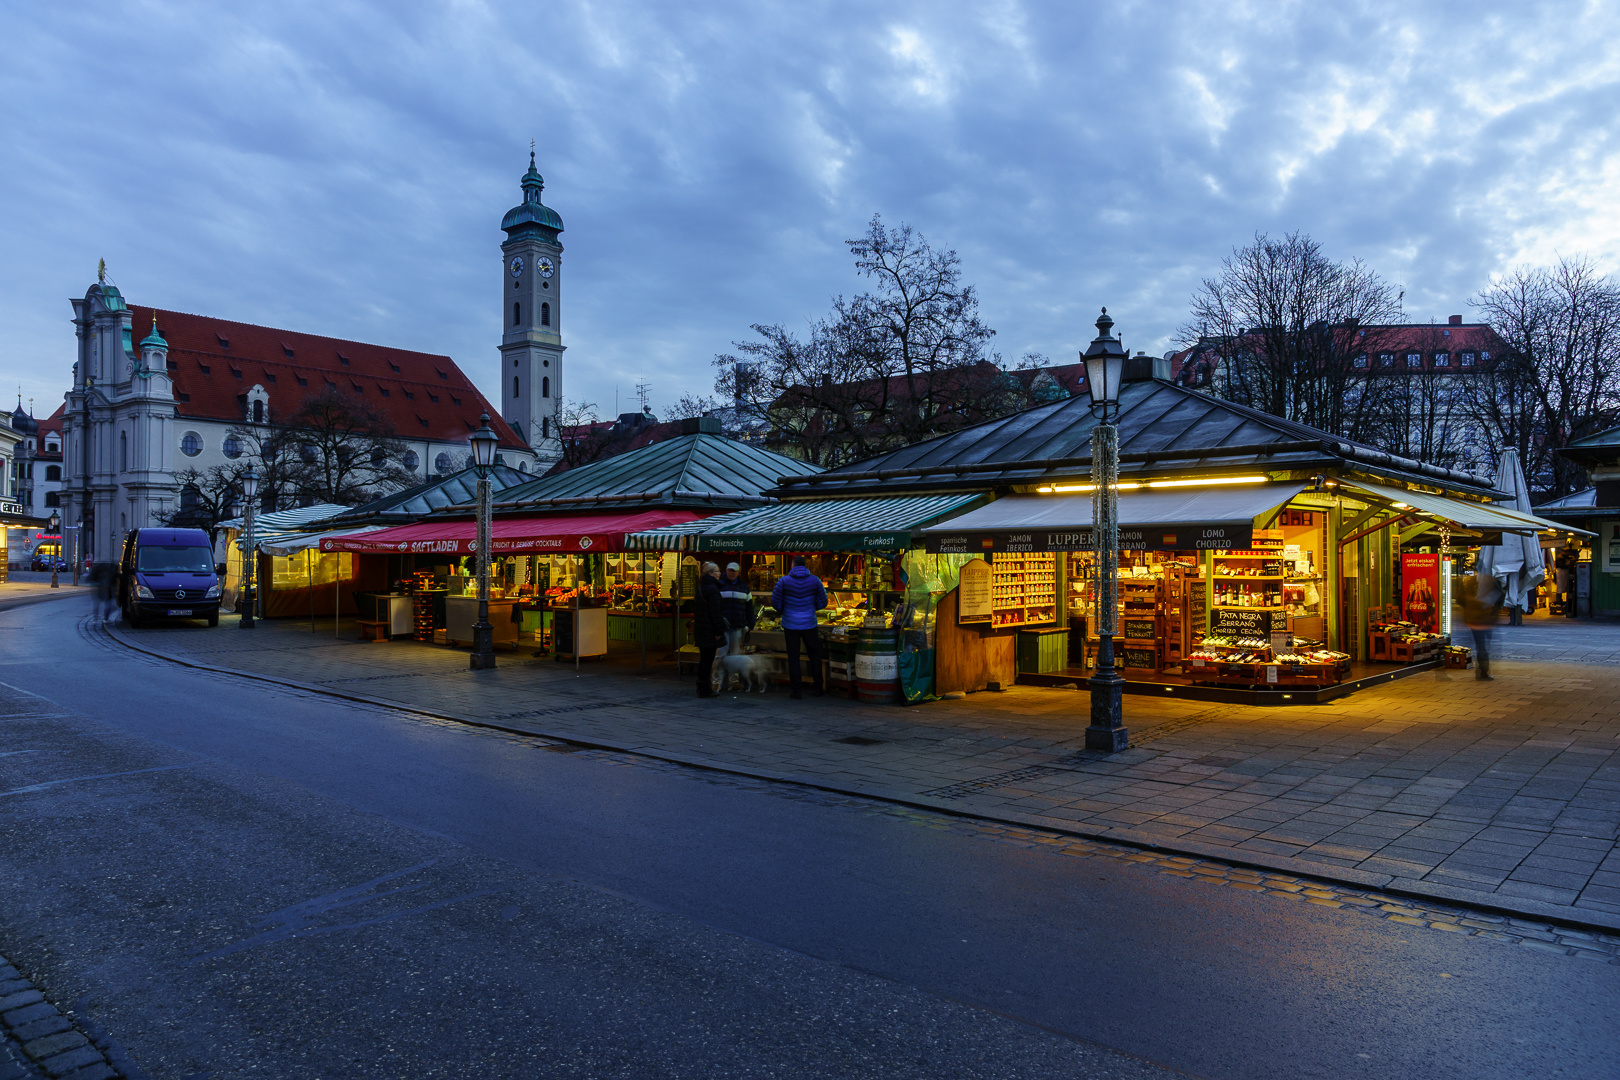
(179, 611)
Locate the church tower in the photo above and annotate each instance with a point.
(531, 314)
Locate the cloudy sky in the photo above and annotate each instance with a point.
(342, 168)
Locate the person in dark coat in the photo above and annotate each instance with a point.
(798, 595)
(738, 601)
(104, 583)
(708, 627)
(1481, 600)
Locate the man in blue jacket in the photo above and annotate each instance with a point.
(798, 595)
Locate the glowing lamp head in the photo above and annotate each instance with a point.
(1105, 365)
(484, 442)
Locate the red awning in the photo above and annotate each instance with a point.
(510, 535)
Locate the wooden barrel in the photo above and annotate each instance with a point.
(877, 667)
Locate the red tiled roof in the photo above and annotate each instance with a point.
(212, 362)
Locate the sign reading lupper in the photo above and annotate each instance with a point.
(1244, 622)
(1210, 536)
(973, 594)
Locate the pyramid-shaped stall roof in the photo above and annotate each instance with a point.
(698, 471)
(1161, 426)
(410, 503)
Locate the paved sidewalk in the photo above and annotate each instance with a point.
(1503, 794)
(1581, 641)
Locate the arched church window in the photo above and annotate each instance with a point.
(545, 314)
(191, 444)
(53, 472)
(517, 313)
(190, 497)
(123, 451)
(258, 412)
(545, 387)
(514, 386)
(231, 447)
(545, 427)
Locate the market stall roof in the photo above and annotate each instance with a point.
(17, 520)
(603, 531)
(1581, 506)
(422, 499)
(1600, 449)
(870, 524)
(1484, 517)
(1169, 519)
(700, 470)
(287, 520)
(1163, 428)
(291, 543)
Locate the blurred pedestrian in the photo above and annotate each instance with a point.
(1481, 600)
(738, 604)
(103, 588)
(798, 595)
(708, 627)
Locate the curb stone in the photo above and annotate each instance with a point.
(1519, 907)
(53, 1044)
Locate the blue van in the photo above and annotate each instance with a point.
(168, 573)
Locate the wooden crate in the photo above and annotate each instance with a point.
(1377, 645)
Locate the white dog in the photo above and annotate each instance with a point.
(749, 668)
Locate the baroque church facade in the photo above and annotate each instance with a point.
(140, 415)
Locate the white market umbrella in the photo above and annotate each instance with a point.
(1517, 561)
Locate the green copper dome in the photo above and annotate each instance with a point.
(154, 339)
(532, 213)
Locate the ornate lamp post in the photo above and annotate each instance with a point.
(250, 491)
(1105, 370)
(484, 442)
(56, 560)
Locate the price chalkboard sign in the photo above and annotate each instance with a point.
(1248, 623)
(1140, 658)
(1142, 629)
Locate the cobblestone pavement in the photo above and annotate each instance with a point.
(1580, 641)
(1503, 794)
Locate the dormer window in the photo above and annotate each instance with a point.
(301, 380)
(383, 390)
(286, 350)
(443, 375)
(433, 398)
(1467, 359)
(1442, 359)
(236, 373)
(454, 400)
(1386, 359)
(410, 395)
(1414, 360)
(394, 366)
(344, 360)
(1361, 361)
(224, 342)
(205, 368)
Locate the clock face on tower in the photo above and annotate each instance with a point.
(516, 266)
(544, 266)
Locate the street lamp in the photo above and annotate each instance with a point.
(250, 491)
(1105, 369)
(484, 442)
(56, 560)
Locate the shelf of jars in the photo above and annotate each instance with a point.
(1023, 589)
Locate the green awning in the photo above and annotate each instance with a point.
(870, 524)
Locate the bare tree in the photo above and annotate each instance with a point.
(1427, 414)
(207, 497)
(1284, 325)
(347, 451)
(1556, 380)
(584, 437)
(893, 366)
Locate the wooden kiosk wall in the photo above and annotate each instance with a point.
(968, 658)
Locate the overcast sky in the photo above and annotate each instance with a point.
(342, 168)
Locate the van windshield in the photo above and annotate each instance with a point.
(157, 559)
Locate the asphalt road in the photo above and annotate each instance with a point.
(232, 879)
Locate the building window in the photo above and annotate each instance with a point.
(442, 462)
(517, 313)
(1361, 360)
(231, 447)
(379, 456)
(123, 451)
(191, 444)
(1467, 359)
(410, 461)
(190, 497)
(306, 454)
(515, 391)
(1414, 359)
(545, 314)
(53, 498)
(545, 427)
(1442, 359)
(52, 446)
(1386, 359)
(545, 387)
(1484, 357)
(258, 412)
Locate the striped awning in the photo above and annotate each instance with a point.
(869, 524)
